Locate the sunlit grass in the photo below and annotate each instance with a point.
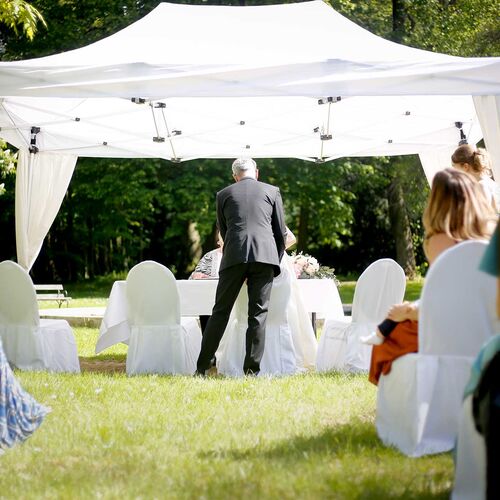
(309, 436)
(412, 292)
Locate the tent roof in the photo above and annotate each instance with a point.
(231, 81)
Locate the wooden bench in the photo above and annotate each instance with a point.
(52, 292)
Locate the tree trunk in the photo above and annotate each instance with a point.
(90, 243)
(303, 229)
(400, 227)
(194, 250)
(398, 20)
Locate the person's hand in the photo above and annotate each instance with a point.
(400, 312)
(199, 276)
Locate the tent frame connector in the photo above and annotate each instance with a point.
(329, 100)
(463, 137)
(33, 147)
(326, 135)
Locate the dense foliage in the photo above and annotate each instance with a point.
(347, 212)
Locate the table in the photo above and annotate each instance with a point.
(197, 297)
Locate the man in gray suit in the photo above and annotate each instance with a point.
(252, 224)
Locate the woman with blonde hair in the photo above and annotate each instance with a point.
(476, 162)
(456, 211)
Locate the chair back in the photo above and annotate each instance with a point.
(280, 297)
(152, 295)
(18, 305)
(381, 285)
(457, 307)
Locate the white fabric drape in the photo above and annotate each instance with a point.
(488, 113)
(433, 161)
(41, 183)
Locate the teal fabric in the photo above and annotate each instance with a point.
(489, 262)
(489, 349)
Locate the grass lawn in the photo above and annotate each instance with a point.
(413, 289)
(109, 436)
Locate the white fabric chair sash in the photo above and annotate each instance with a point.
(381, 285)
(159, 343)
(30, 343)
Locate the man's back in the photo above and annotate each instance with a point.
(251, 223)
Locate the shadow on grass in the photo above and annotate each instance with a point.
(350, 438)
(357, 439)
(104, 363)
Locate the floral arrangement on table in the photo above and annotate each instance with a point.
(308, 267)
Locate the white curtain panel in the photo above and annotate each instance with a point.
(433, 161)
(488, 113)
(41, 183)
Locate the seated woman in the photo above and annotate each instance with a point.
(457, 210)
(208, 268)
(476, 162)
(208, 265)
(20, 414)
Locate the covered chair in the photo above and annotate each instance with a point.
(470, 462)
(159, 343)
(381, 285)
(31, 343)
(279, 356)
(419, 401)
(477, 446)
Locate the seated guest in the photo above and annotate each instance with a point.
(476, 162)
(456, 211)
(208, 266)
(20, 414)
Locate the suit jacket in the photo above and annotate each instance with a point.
(252, 223)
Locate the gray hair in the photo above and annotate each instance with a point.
(241, 165)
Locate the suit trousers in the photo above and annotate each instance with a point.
(259, 279)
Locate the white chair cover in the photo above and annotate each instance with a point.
(381, 285)
(279, 356)
(159, 343)
(470, 462)
(419, 401)
(30, 343)
(303, 335)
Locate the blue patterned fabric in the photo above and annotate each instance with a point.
(20, 414)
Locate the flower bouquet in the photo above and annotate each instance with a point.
(307, 267)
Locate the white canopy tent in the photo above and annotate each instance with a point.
(191, 82)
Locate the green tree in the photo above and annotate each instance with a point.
(19, 15)
(117, 212)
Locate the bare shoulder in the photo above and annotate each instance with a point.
(436, 245)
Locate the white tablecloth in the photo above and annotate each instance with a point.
(197, 297)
